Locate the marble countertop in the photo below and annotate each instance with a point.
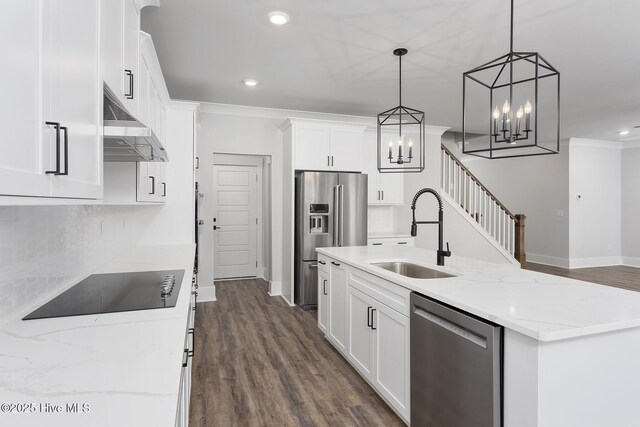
(125, 366)
(541, 306)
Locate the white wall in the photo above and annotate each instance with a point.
(173, 222)
(630, 224)
(595, 218)
(221, 133)
(44, 249)
(537, 187)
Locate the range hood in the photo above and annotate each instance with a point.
(125, 138)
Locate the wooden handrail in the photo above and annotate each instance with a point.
(477, 181)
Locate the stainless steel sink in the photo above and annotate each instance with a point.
(412, 270)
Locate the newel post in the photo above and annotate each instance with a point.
(520, 254)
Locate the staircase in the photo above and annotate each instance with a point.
(466, 191)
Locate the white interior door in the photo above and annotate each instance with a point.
(235, 223)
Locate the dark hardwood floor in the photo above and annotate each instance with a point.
(620, 276)
(260, 362)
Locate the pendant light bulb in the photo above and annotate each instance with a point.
(520, 112)
(496, 113)
(505, 107)
(527, 107)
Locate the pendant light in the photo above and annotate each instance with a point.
(521, 116)
(400, 134)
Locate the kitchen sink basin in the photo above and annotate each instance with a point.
(414, 271)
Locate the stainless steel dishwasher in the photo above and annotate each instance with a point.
(456, 367)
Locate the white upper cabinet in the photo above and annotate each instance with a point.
(345, 148)
(51, 99)
(130, 55)
(22, 162)
(72, 96)
(327, 146)
(384, 188)
(120, 25)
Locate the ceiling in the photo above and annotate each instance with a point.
(335, 55)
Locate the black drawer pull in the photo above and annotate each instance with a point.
(377, 244)
(153, 185)
(129, 73)
(335, 263)
(192, 332)
(402, 243)
(324, 287)
(321, 262)
(164, 189)
(185, 360)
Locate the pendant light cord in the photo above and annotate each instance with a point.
(511, 31)
(400, 93)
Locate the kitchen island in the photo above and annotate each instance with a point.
(112, 369)
(570, 347)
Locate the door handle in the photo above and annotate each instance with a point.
(192, 332)
(164, 189)
(341, 230)
(369, 322)
(322, 262)
(197, 162)
(153, 185)
(57, 127)
(331, 160)
(328, 162)
(335, 263)
(324, 287)
(382, 194)
(129, 73)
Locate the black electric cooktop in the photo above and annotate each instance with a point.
(115, 292)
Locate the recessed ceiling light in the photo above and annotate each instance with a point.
(278, 18)
(250, 82)
(623, 132)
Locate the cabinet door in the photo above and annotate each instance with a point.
(161, 190)
(143, 92)
(391, 373)
(369, 156)
(361, 335)
(23, 158)
(391, 188)
(345, 148)
(323, 292)
(73, 95)
(338, 306)
(147, 182)
(111, 26)
(153, 98)
(130, 54)
(311, 145)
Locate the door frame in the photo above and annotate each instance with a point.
(258, 162)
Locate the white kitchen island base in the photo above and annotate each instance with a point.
(571, 348)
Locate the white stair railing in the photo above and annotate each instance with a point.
(482, 206)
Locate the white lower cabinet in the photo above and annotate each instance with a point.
(373, 336)
(184, 396)
(391, 373)
(337, 309)
(361, 334)
(323, 293)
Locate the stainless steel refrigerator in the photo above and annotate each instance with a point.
(331, 210)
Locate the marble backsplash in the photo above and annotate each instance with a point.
(44, 248)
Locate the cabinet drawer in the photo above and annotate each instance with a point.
(388, 293)
(323, 263)
(385, 241)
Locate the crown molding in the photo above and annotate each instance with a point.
(177, 104)
(596, 143)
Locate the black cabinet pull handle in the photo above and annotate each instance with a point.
(66, 151)
(328, 161)
(331, 160)
(197, 162)
(164, 189)
(372, 317)
(335, 263)
(377, 244)
(321, 262)
(369, 321)
(153, 184)
(130, 94)
(324, 287)
(193, 342)
(185, 360)
(57, 126)
(402, 243)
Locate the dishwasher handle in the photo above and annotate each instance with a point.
(451, 327)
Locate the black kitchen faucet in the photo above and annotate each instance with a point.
(414, 224)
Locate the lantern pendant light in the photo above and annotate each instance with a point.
(399, 128)
(503, 130)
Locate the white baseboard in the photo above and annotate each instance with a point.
(548, 260)
(275, 288)
(207, 293)
(630, 261)
(594, 262)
